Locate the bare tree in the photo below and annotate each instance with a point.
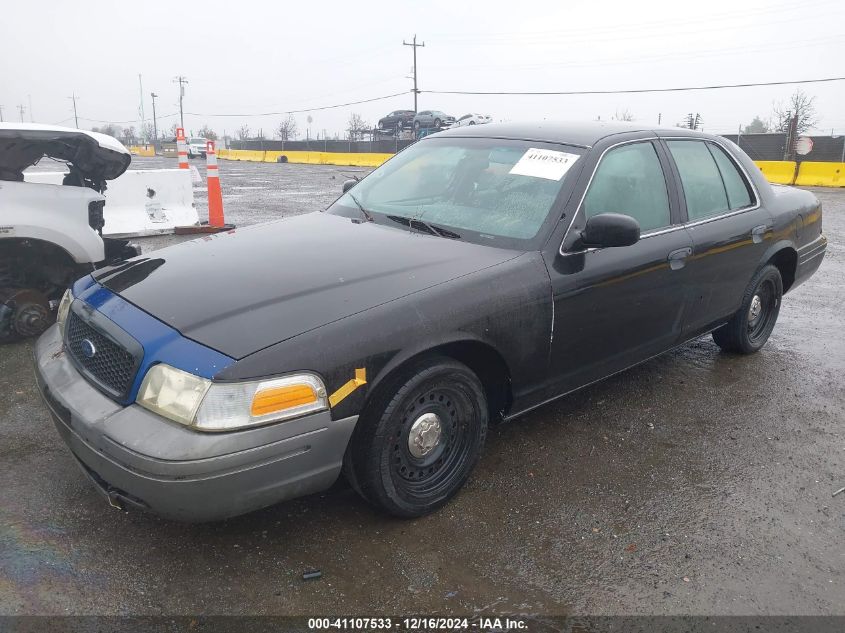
(800, 104)
(287, 129)
(108, 129)
(356, 126)
(148, 132)
(128, 135)
(757, 126)
(625, 115)
(243, 132)
(207, 133)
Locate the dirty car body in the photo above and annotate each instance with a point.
(478, 254)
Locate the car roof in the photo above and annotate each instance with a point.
(583, 134)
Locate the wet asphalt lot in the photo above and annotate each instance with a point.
(697, 483)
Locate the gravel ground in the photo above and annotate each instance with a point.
(697, 483)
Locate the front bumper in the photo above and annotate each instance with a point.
(138, 459)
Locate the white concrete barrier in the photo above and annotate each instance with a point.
(141, 201)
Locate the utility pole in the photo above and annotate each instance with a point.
(182, 81)
(141, 112)
(31, 120)
(155, 127)
(1, 114)
(415, 46)
(21, 109)
(659, 117)
(75, 118)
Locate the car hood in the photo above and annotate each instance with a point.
(243, 290)
(97, 156)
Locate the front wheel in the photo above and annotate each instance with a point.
(417, 442)
(749, 329)
(437, 123)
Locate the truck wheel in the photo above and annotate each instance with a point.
(23, 313)
(749, 329)
(416, 444)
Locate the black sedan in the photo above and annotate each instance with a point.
(479, 274)
(397, 120)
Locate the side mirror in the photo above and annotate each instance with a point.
(348, 185)
(610, 229)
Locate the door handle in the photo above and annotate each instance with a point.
(677, 258)
(758, 233)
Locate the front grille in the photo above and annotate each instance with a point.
(110, 366)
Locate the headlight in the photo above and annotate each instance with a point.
(208, 406)
(64, 307)
(173, 393)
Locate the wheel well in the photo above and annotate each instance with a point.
(786, 261)
(37, 264)
(484, 361)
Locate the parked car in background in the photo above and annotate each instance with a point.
(397, 120)
(496, 268)
(473, 119)
(197, 147)
(432, 118)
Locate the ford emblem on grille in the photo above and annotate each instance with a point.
(88, 348)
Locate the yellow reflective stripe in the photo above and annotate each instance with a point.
(349, 387)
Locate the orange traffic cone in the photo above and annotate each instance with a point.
(181, 148)
(215, 196)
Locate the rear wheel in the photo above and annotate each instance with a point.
(749, 329)
(472, 122)
(418, 441)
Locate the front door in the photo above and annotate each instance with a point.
(615, 307)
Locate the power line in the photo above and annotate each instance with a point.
(632, 91)
(328, 107)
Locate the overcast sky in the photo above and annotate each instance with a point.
(248, 57)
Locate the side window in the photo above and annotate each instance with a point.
(703, 187)
(630, 180)
(737, 188)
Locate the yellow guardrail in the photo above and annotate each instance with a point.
(354, 159)
(821, 175)
(142, 150)
(783, 172)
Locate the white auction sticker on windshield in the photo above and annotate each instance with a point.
(544, 163)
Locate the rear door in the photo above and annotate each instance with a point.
(728, 227)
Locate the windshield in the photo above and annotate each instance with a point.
(197, 141)
(483, 190)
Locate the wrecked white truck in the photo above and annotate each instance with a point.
(52, 234)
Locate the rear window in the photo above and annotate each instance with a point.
(702, 182)
(737, 188)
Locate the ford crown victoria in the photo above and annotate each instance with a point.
(480, 273)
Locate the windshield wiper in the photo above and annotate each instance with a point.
(432, 229)
(367, 215)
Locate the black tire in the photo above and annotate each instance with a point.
(472, 122)
(749, 329)
(437, 123)
(380, 464)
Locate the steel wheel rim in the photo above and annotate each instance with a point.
(437, 470)
(761, 311)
